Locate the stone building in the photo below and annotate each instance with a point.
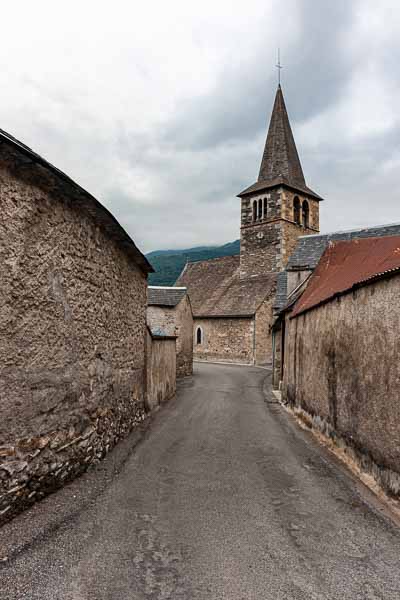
(169, 313)
(341, 352)
(72, 321)
(232, 297)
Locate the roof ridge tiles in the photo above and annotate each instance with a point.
(357, 229)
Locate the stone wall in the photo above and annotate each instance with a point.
(266, 244)
(72, 343)
(263, 346)
(287, 200)
(260, 241)
(161, 369)
(226, 339)
(176, 321)
(342, 367)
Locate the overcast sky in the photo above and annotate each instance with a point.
(160, 108)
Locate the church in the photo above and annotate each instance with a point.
(233, 297)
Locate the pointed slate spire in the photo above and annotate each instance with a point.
(280, 158)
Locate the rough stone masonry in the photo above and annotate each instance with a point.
(72, 329)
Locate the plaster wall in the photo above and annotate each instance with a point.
(161, 370)
(342, 366)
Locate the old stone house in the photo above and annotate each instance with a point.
(169, 313)
(72, 321)
(232, 297)
(341, 351)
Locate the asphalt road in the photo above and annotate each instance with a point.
(223, 497)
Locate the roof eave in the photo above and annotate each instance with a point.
(281, 183)
(122, 235)
(225, 316)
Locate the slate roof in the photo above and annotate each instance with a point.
(157, 333)
(280, 164)
(165, 296)
(349, 264)
(310, 248)
(259, 186)
(281, 290)
(216, 290)
(79, 196)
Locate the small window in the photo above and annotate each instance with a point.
(199, 336)
(296, 210)
(260, 209)
(306, 213)
(265, 201)
(255, 210)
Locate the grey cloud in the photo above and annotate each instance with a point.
(171, 180)
(317, 69)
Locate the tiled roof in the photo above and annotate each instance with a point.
(281, 290)
(347, 264)
(157, 333)
(280, 164)
(82, 198)
(259, 186)
(280, 153)
(165, 296)
(310, 248)
(216, 290)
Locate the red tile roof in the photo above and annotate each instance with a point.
(345, 265)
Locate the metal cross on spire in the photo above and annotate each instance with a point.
(279, 66)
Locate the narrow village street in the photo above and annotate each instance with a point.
(224, 497)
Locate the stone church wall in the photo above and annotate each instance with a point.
(260, 241)
(348, 385)
(177, 321)
(225, 339)
(72, 343)
(266, 244)
(287, 199)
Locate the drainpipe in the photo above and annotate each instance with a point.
(273, 358)
(254, 340)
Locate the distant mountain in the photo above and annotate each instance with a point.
(173, 252)
(168, 264)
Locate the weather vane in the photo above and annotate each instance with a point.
(279, 66)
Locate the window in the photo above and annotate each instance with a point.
(255, 210)
(306, 213)
(199, 335)
(260, 209)
(296, 210)
(265, 207)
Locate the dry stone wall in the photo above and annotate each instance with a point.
(72, 341)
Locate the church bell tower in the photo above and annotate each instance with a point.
(279, 207)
